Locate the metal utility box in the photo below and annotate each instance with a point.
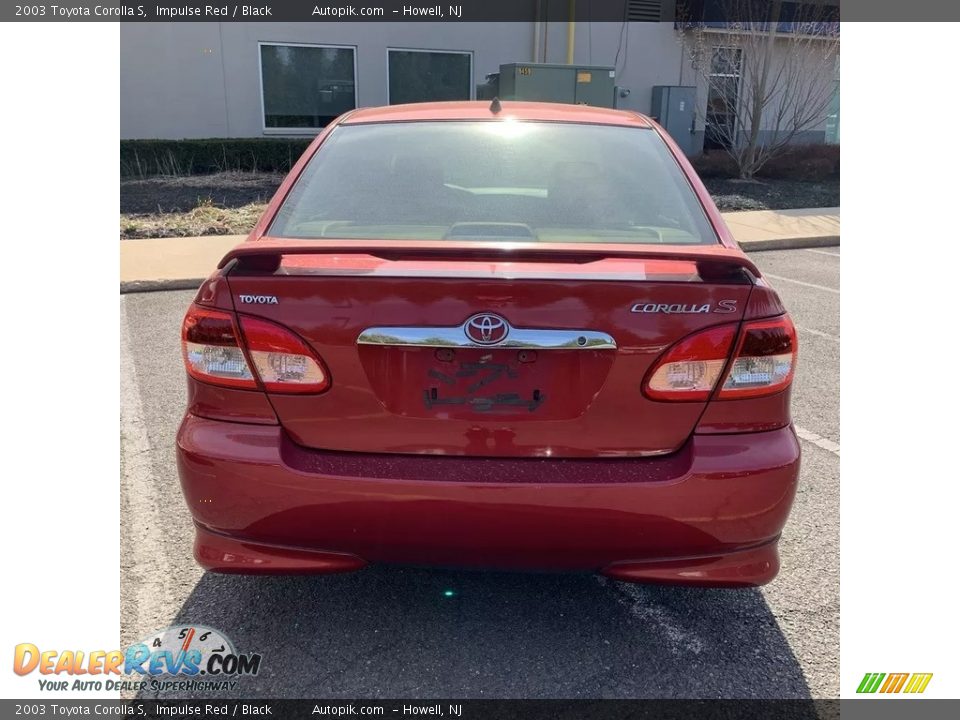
(674, 107)
(575, 84)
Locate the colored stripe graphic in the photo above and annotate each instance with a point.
(918, 682)
(895, 682)
(870, 682)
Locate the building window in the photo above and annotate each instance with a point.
(832, 134)
(722, 97)
(426, 75)
(306, 86)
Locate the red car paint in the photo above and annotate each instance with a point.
(580, 466)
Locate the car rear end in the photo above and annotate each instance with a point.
(519, 340)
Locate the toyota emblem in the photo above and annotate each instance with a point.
(486, 329)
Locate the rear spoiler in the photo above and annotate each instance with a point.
(714, 262)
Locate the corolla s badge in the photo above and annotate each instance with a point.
(723, 306)
(486, 329)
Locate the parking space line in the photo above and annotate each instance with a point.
(800, 282)
(818, 333)
(818, 440)
(639, 603)
(822, 252)
(141, 498)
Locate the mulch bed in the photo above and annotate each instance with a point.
(766, 194)
(182, 194)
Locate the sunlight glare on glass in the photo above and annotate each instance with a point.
(509, 128)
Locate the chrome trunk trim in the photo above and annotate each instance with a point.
(516, 338)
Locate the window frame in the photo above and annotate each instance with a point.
(469, 53)
(263, 103)
(738, 75)
(739, 55)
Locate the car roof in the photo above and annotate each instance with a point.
(480, 110)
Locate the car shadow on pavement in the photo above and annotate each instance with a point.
(390, 632)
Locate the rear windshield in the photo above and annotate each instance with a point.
(494, 180)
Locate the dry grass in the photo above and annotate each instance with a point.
(228, 203)
(205, 219)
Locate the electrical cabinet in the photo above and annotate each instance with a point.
(674, 107)
(574, 84)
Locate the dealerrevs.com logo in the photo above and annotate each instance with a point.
(182, 657)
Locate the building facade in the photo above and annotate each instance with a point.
(245, 80)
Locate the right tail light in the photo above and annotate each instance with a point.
(763, 360)
(689, 371)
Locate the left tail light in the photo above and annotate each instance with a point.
(252, 354)
(282, 360)
(211, 349)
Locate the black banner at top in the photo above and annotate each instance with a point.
(709, 11)
(706, 11)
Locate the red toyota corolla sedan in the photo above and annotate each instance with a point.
(512, 336)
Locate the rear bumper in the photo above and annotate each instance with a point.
(709, 514)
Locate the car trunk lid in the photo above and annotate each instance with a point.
(488, 349)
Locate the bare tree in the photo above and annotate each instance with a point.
(769, 77)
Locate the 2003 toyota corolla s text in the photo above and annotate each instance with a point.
(513, 336)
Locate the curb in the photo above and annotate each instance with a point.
(791, 243)
(145, 286)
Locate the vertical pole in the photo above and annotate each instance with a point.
(571, 31)
(536, 32)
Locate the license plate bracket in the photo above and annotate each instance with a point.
(484, 383)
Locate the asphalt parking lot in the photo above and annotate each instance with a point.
(393, 633)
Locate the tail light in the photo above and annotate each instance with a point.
(218, 351)
(211, 349)
(690, 369)
(763, 363)
(765, 359)
(282, 360)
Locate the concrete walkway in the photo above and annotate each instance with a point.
(179, 263)
(785, 229)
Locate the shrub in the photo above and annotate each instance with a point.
(805, 162)
(146, 158)
(800, 162)
(715, 164)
